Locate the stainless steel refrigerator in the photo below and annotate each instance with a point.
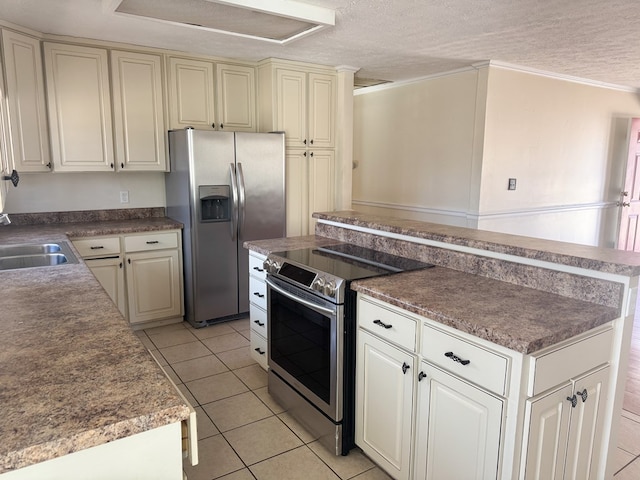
(226, 188)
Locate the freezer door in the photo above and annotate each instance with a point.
(260, 171)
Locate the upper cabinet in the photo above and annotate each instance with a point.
(79, 108)
(205, 95)
(138, 111)
(26, 102)
(301, 102)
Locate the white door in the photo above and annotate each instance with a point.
(628, 238)
(546, 433)
(458, 428)
(384, 404)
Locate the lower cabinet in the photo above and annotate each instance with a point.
(142, 273)
(564, 424)
(258, 308)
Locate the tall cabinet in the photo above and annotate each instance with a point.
(301, 100)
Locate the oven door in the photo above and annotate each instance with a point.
(306, 344)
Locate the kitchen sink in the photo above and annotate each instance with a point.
(35, 255)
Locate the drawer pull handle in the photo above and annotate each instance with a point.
(259, 323)
(259, 351)
(152, 242)
(382, 324)
(583, 394)
(97, 247)
(574, 401)
(258, 269)
(455, 358)
(405, 367)
(421, 375)
(258, 294)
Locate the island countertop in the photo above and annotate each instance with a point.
(73, 373)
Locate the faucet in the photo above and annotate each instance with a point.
(4, 219)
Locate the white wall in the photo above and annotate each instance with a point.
(443, 150)
(55, 192)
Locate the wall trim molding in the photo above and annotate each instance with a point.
(490, 215)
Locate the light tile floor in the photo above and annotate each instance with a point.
(244, 435)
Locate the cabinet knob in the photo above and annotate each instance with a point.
(120, 265)
(421, 375)
(405, 367)
(311, 142)
(311, 154)
(261, 352)
(258, 269)
(305, 154)
(48, 165)
(258, 294)
(112, 166)
(380, 323)
(213, 125)
(583, 394)
(121, 164)
(259, 323)
(456, 358)
(574, 401)
(129, 261)
(304, 141)
(222, 126)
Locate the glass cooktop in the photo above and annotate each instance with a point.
(350, 262)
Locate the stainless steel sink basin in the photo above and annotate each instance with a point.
(35, 255)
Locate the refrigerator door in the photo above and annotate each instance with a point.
(260, 171)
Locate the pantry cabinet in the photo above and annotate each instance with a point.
(138, 111)
(79, 103)
(25, 99)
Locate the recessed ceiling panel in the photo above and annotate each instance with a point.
(224, 18)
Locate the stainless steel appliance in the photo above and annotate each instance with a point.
(225, 188)
(312, 333)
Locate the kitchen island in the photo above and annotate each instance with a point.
(553, 314)
(78, 386)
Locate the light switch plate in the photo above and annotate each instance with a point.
(512, 184)
(124, 197)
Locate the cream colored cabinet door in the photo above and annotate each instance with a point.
(322, 110)
(384, 404)
(321, 182)
(110, 273)
(236, 97)
(297, 192)
(585, 429)
(26, 102)
(191, 93)
(6, 160)
(548, 427)
(79, 102)
(292, 106)
(458, 428)
(153, 285)
(138, 111)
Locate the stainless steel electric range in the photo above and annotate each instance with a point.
(312, 333)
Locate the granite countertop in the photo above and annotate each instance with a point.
(520, 318)
(583, 256)
(73, 373)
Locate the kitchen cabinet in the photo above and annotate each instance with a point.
(142, 273)
(138, 111)
(6, 160)
(564, 425)
(79, 103)
(258, 308)
(208, 95)
(25, 99)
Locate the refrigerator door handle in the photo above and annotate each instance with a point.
(241, 199)
(234, 198)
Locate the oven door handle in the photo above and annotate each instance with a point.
(319, 308)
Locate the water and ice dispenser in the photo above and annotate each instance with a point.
(215, 203)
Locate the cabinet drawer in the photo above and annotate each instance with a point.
(258, 292)
(259, 349)
(255, 265)
(97, 246)
(150, 241)
(388, 324)
(484, 368)
(550, 368)
(258, 318)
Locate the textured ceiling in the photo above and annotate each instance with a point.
(397, 39)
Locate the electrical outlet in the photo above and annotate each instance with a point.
(512, 184)
(124, 197)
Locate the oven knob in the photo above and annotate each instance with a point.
(330, 289)
(266, 265)
(318, 284)
(274, 267)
